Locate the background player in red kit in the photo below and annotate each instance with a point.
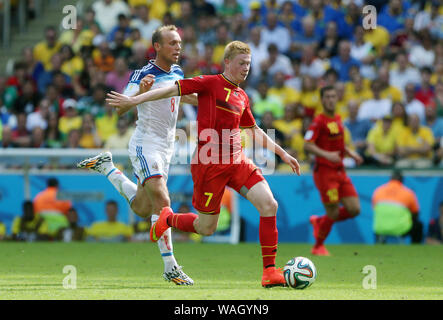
(223, 108)
(325, 139)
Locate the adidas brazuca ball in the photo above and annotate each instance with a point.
(299, 273)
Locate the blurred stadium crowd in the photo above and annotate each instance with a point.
(389, 79)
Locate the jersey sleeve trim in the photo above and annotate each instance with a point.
(248, 127)
(230, 82)
(179, 87)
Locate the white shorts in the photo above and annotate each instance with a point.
(148, 159)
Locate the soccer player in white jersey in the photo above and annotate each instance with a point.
(152, 144)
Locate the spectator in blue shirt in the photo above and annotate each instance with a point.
(268, 6)
(123, 25)
(324, 14)
(343, 62)
(47, 77)
(359, 128)
(300, 8)
(393, 16)
(288, 18)
(255, 19)
(309, 33)
(351, 20)
(433, 122)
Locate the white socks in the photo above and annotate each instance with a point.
(165, 247)
(124, 186)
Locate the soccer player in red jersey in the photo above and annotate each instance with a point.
(325, 139)
(223, 108)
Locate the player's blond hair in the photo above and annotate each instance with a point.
(157, 35)
(234, 48)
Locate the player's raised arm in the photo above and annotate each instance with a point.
(123, 102)
(145, 85)
(260, 136)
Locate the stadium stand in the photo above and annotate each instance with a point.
(66, 75)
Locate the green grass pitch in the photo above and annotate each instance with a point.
(220, 271)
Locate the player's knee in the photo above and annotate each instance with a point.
(161, 200)
(141, 210)
(269, 208)
(354, 211)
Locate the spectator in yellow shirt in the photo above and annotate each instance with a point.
(310, 96)
(382, 143)
(358, 89)
(30, 226)
(342, 103)
(415, 144)
(78, 37)
(120, 140)
(70, 120)
(107, 123)
(289, 124)
(388, 91)
(297, 147)
(287, 95)
(89, 135)
(72, 65)
(72, 232)
(399, 118)
(2, 231)
(44, 50)
(292, 128)
(110, 230)
(160, 7)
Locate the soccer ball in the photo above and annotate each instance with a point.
(299, 273)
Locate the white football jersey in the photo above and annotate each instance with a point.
(157, 119)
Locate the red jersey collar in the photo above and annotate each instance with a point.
(229, 81)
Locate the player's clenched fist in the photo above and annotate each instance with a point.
(146, 83)
(123, 103)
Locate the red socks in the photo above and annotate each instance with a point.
(324, 227)
(268, 236)
(182, 221)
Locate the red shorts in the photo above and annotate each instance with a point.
(210, 181)
(333, 184)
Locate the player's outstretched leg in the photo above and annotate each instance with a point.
(103, 164)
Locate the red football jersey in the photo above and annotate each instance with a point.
(223, 108)
(328, 134)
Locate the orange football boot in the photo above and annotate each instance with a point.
(161, 225)
(320, 250)
(273, 277)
